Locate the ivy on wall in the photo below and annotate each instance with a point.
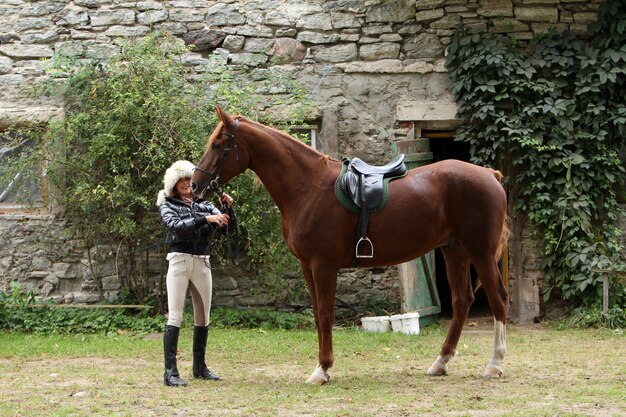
(552, 116)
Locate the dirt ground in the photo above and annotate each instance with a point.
(548, 373)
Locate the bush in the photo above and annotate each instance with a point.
(585, 317)
(21, 312)
(222, 318)
(127, 119)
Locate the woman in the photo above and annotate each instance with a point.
(190, 223)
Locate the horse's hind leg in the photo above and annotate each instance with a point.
(457, 267)
(491, 280)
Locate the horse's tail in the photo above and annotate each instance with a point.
(506, 227)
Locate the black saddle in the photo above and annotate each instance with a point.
(393, 168)
(364, 183)
(366, 186)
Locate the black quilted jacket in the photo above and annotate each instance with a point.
(187, 228)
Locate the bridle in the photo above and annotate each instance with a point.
(214, 184)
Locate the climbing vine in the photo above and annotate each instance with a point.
(552, 116)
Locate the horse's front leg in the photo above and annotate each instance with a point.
(322, 283)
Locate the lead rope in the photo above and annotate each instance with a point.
(232, 229)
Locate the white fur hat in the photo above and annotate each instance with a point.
(178, 170)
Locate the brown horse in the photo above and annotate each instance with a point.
(452, 205)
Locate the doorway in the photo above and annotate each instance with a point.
(443, 146)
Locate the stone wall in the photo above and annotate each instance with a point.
(375, 69)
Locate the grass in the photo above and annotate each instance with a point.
(548, 373)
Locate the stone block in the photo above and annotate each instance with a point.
(233, 42)
(318, 21)
(446, 22)
(193, 59)
(18, 50)
(429, 4)
(175, 28)
(222, 14)
(6, 64)
(186, 15)
(391, 11)
(205, 39)
(424, 45)
(149, 5)
(151, 17)
(41, 8)
(111, 283)
(278, 18)
(86, 298)
(495, 8)
(112, 17)
(345, 20)
(317, 37)
(585, 18)
(376, 29)
(126, 31)
(29, 23)
(256, 45)
(337, 53)
(40, 37)
(377, 51)
(248, 59)
(255, 31)
(391, 37)
(288, 50)
(508, 26)
(537, 14)
(428, 15)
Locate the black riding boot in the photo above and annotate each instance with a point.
(200, 369)
(171, 377)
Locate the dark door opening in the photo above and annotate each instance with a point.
(443, 146)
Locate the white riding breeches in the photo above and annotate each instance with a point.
(193, 272)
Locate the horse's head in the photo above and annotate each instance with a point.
(222, 159)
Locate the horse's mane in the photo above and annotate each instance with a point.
(214, 135)
(324, 157)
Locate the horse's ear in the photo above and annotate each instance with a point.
(223, 116)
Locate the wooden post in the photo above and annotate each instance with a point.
(605, 293)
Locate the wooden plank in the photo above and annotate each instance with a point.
(140, 306)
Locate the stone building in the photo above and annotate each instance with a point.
(375, 68)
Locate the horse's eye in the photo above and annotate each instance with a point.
(215, 146)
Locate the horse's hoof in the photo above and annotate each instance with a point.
(493, 373)
(318, 377)
(436, 369)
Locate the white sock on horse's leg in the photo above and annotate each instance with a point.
(494, 368)
(318, 377)
(440, 366)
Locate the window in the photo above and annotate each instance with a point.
(16, 188)
(308, 132)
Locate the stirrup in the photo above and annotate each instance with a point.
(365, 240)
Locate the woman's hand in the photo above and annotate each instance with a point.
(219, 219)
(226, 199)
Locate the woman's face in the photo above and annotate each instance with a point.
(183, 187)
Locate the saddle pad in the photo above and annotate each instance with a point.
(346, 200)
